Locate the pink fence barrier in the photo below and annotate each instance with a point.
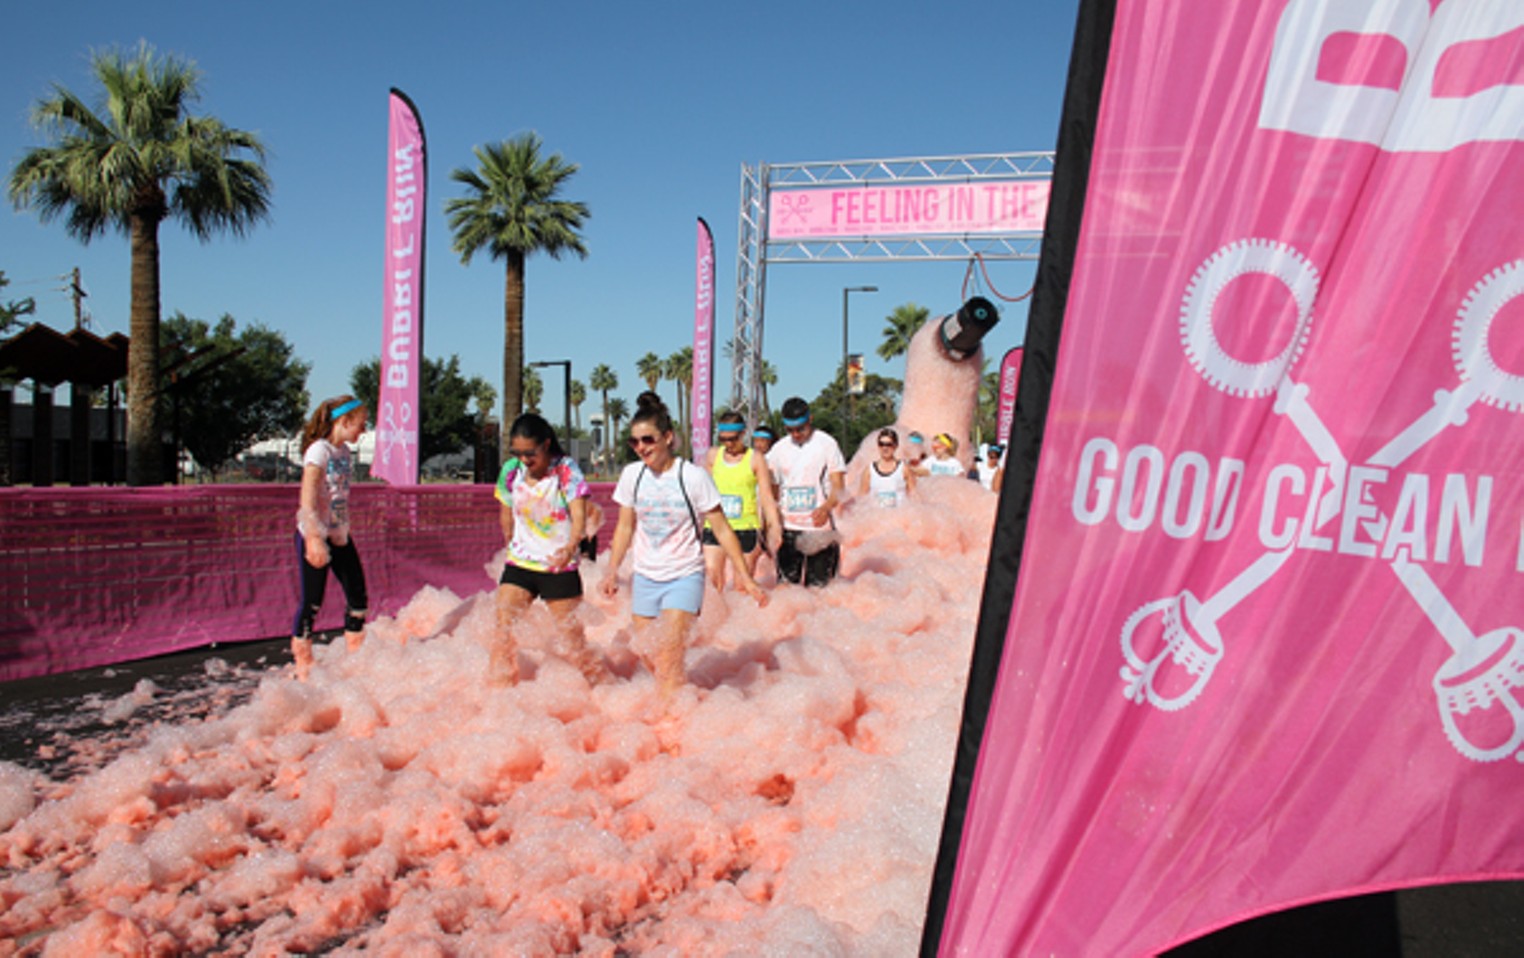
(93, 576)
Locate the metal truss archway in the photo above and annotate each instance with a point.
(757, 248)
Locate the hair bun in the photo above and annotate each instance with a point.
(650, 401)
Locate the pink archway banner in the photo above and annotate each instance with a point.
(1273, 650)
(851, 211)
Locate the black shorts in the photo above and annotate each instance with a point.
(748, 539)
(549, 586)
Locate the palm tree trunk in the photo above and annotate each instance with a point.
(513, 346)
(145, 441)
(608, 432)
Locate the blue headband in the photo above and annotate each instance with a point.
(730, 427)
(343, 408)
(762, 432)
(796, 423)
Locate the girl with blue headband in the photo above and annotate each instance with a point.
(322, 525)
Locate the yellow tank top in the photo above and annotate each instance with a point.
(738, 490)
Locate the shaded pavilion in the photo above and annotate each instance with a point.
(88, 363)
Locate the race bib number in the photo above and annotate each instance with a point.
(731, 506)
(799, 499)
(888, 499)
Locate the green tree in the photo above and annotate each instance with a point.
(650, 368)
(534, 389)
(511, 210)
(619, 410)
(906, 320)
(988, 411)
(140, 157)
(12, 311)
(446, 424)
(872, 409)
(604, 379)
(578, 397)
(767, 376)
(228, 388)
(678, 367)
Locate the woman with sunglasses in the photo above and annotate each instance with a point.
(543, 514)
(746, 494)
(663, 502)
(889, 479)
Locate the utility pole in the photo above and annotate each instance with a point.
(77, 291)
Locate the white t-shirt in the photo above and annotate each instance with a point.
(333, 502)
(803, 473)
(667, 544)
(944, 467)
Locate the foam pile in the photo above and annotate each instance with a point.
(788, 802)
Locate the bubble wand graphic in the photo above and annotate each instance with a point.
(1482, 671)
(1188, 625)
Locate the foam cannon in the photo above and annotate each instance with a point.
(960, 333)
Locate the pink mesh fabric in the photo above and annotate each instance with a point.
(91, 577)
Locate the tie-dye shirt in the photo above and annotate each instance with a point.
(541, 511)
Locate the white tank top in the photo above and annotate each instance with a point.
(887, 491)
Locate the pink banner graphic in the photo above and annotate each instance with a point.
(1018, 206)
(702, 401)
(398, 416)
(1270, 649)
(1010, 378)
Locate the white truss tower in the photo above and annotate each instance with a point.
(756, 251)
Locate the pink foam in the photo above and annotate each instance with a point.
(787, 801)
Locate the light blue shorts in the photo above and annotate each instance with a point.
(649, 597)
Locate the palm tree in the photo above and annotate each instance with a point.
(578, 397)
(534, 389)
(649, 367)
(904, 323)
(768, 376)
(136, 160)
(988, 409)
(511, 210)
(617, 409)
(604, 379)
(678, 367)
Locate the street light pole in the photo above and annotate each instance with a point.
(565, 365)
(844, 382)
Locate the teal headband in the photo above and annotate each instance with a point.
(796, 423)
(343, 408)
(730, 427)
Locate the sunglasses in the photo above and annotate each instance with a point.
(886, 444)
(638, 441)
(534, 452)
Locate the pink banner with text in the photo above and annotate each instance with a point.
(1010, 379)
(1018, 206)
(1273, 650)
(702, 400)
(398, 417)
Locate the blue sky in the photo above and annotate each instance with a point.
(659, 103)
